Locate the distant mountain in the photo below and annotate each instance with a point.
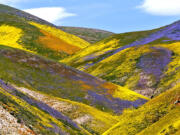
(27, 32)
(145, 61)
(158, 116)
(88, 34)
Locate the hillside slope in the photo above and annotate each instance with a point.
(24, 31)
(21, 114)
(72, 101)
(37, 113)
(160, 116)
(146, 62)
(19, 13)
(88, 34)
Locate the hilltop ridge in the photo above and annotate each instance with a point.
(13, 11)
(88, 34)
(124, 59)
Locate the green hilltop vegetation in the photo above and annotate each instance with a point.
(90, 35)
(26, 32)
(41, 95)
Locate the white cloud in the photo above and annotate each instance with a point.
(11, 2)
(51, 14)
(161, 7)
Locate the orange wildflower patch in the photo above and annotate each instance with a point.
(111, 87)
(56, 44)
(85, 86)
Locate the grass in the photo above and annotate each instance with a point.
(44, 76)
(57, 44)
(98, 121)
(122, 68)
(95, 52)
(172, 74)
(169, 124)
(118, 65)
(31, 37)
(10, 35)
(40, 74)
(37, 120)
(70, 39)
(155, 113)
(90, 35)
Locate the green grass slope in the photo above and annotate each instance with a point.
(24, 31)
(146, 62)
(59, 80)
(97, 51)
(160, 116)
(44, 114)
(72, 101)
(88, 34)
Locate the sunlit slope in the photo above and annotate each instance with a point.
(102, 49)
(148, 65)
(148, 69)
(160, 116)
(37, 73)
(38, 38)
(38, 113)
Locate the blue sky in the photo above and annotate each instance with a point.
(113, 15)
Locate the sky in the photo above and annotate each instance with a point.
(117, 16)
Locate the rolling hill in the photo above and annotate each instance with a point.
(145, 61)
(4, 9)
(88, 34)
(39, 95)
(72, 101)
(27, 32)
(160, 116)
